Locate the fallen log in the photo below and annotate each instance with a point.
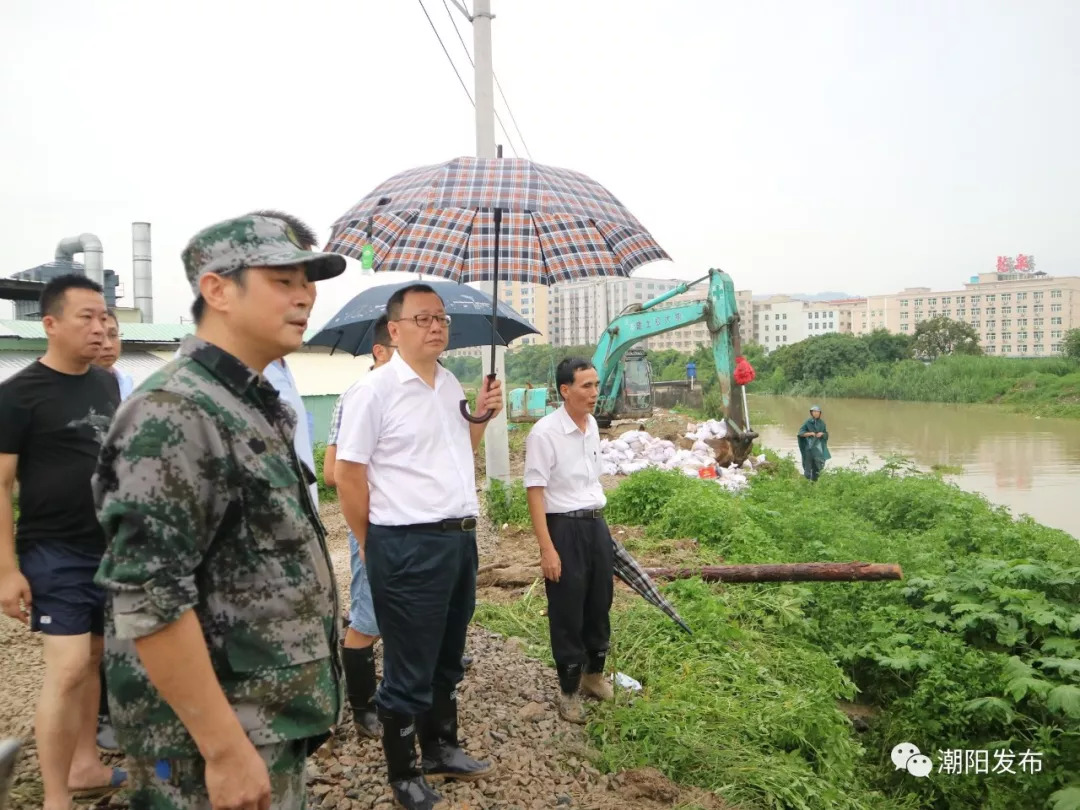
(517, 576)
(785, 572)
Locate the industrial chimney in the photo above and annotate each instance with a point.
(88, 245)
(140, 259)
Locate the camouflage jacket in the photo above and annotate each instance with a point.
(206, 507)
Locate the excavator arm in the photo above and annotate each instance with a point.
(720, 314)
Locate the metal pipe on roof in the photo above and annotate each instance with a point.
(141, 268)
(90, 247)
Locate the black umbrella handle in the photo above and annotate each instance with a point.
(485, 416)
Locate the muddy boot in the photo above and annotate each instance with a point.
(593, 682)
(410, 789)
(442, 755)
(596, 685)
(570, 708)
(360, 683)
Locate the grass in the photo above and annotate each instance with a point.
(977, 648)
(947, 469)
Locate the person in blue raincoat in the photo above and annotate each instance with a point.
(814, 444)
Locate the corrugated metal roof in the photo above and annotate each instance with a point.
(139, 365)
(131, 332)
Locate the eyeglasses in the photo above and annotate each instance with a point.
(424, 321)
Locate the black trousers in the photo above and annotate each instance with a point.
(423, 588)
(579, 603)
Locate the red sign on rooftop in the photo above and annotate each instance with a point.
(1024, 263)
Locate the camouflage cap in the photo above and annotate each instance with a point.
(253, 241)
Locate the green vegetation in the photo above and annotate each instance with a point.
(326, 494)
(978, 648)
(879, 366)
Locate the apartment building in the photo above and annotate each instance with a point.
(1014, 314)
(780, 320)
(585, 308)
(535, 303)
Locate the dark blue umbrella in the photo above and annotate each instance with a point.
(353, 327)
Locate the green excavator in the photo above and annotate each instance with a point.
(624, 371)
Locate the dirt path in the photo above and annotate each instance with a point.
(507, 714)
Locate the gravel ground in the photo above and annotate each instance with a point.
(507, 714)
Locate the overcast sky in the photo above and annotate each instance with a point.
(858, 146)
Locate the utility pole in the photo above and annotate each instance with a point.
(496, 442)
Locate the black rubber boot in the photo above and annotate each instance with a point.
(360, 683)
(569, 677)
(411, 790)
(442, 756)
(596, 663)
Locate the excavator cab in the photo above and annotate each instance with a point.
(635, 396)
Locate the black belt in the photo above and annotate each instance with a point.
(452, 525)
(579, 513)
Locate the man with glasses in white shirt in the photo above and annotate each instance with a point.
(407, 485)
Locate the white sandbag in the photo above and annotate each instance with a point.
(701, 447)
(718, 429)
(621, 445)
(607, 468)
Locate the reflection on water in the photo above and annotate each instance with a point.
(1030, 465)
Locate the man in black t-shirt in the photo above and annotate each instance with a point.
(54, 415)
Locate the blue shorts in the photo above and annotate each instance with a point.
(361, 610)
(66, 602)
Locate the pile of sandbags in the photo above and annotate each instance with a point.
(636, 449)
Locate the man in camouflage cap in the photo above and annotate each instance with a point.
(224, 619)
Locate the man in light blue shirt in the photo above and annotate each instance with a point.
(279, 376)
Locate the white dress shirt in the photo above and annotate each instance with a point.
(417, 448)
(565, 461)
(125, 381)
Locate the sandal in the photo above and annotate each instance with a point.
(118, 781)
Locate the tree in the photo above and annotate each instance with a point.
(821, 357)
(1072, 344)
(940, 336)
(886, 347)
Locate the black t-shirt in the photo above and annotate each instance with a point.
(56, 423)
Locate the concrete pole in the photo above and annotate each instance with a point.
(496, 441)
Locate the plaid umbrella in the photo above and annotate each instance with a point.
(462, 219)
(630, 571)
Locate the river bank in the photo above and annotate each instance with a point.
(794, 695)
(1048, 387)
(1027, 463)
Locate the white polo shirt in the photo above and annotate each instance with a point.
(566, 462)
(415, 444)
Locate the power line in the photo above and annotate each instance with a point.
(512, 118)
(461, 39)
(433, 28)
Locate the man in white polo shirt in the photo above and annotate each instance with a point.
(408, 492)
(566, 502)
